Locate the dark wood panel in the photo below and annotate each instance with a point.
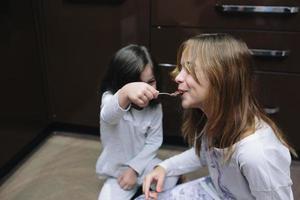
(194, 13)
(165, 42)
(81, 38)
(17, 138)
(279, 94)
(22, 82)
(274, 87)
(23, 103)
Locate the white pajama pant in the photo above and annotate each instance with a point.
(111, 189)
(199, 189)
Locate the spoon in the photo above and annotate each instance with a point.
(174, 94)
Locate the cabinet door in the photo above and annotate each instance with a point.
(247, 14)
(274, 87)
(280, 96)
(23, 103)
(272, 51)
(81, 38)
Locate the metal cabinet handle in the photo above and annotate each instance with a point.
(254, 52)
(101, 2)
(272, 111)
(270, 53)
(257, 9)
(166, 65)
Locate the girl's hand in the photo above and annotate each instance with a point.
(127, 179)
(138, 93)
(156, 176)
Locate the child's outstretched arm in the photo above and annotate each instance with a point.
(138, 93)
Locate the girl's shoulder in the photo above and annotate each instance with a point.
(259, 145)
(263, 132)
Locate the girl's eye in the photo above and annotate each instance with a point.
(179, 67)
(188, 67)
(186, 70)
(151, 82)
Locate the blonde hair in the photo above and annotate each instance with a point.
(226, 63)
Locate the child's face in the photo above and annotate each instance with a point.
(194, 94)
(147, 76)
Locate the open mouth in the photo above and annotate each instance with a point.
(181, 92)
(176, 93)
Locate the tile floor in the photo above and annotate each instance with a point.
(63, 167)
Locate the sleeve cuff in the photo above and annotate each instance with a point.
(135, 169)
(163, 165)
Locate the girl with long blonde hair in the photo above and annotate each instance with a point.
(246, 153)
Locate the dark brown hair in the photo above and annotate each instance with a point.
(126, 66)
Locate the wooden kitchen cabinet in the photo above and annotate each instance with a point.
(271, 42)
(23, 102)
(229, 14)
(272, 37)
(280, 97)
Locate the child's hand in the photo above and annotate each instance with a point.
(138, 93)
(156, 177)
(127, 179)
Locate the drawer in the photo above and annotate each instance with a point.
(272, 51)
(262, 15)
(280, 97)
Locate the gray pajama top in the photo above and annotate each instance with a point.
(259, 168)
(129, 137)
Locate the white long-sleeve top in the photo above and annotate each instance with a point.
(258, 169)
(129, 137)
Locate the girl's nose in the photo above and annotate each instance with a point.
(180, 77)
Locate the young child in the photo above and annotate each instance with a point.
(130, 123)
(245, 152)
